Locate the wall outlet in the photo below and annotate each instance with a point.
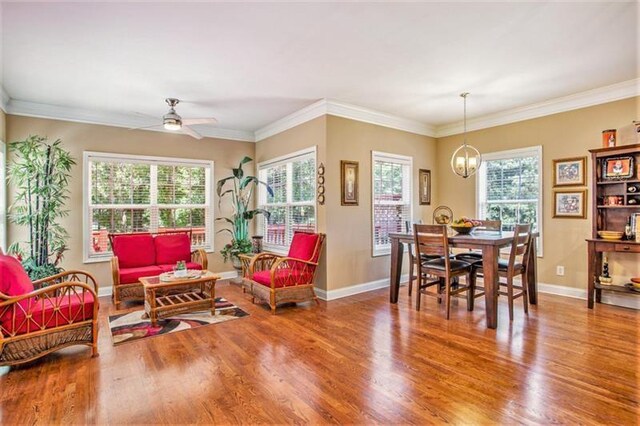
(560, 271)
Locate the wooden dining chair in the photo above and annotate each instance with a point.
(432, 241)
(516, 265)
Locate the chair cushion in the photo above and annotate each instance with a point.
(284, 277)
(169, 267)
(44, 314)
(503, 265)
(131, 275)
(439, 264)
(171, 248)
(303, 246)
(134, 250)
(14, 280)
(469, 256)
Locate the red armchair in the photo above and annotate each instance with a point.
(276, 279)
(40, 317)
(138, 255)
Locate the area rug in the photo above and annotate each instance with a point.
(131, 326)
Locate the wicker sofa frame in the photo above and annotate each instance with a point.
(134, 292)
(21, 348)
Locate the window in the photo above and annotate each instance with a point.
(391, 177)
(3, 197)
(292, 206)
(509, 188)
(127, 193)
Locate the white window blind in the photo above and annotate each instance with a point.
(392, 205)
(292, 206)
(127, 193)
(509, 188)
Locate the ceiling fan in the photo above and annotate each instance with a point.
(174, 122)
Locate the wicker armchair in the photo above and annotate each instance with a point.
(278, 279)
(59, 311)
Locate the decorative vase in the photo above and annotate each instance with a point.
(256, 243)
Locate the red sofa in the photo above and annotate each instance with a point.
(144, 255)
(42, 316)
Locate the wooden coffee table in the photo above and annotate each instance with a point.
(166, 298)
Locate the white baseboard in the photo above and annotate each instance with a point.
(356, 289)
(608, 297)
(107, 291)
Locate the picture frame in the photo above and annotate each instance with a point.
(349, 182)
(617, 168)
(570, 172)
(424, 187)
(570, 204)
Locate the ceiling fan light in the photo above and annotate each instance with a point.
(172, 125)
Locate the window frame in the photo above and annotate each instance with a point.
(3, 198)
(400, 159)
(144, 159)
(262, 195)
(511, 154)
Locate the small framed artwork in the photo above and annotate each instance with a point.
(349, 183)
(570, 204)
(570, 171)
(617, 168)
(424, 186)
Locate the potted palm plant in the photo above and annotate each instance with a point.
(40, 173)
(240, 188)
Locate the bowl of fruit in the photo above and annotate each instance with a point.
(464, 225)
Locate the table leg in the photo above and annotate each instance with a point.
(396, 269)
(213, 298)
(532, 274)
(490, 269)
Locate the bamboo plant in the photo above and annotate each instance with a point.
(39, 174)
(241, 194)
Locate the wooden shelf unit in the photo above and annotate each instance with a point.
(610, 217)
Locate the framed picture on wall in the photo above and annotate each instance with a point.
(349, 183)
(570, 204)
(617, 168)
(570, 171)
(424, 186)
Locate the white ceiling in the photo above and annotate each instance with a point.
(249, 65)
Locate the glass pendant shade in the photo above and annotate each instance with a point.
(466, 160)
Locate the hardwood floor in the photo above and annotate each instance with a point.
(354, 360)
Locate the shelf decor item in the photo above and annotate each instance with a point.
(570, 204)
(569, 171)
(609, 138)
(424, 185)
(617, 168)
(349, 183)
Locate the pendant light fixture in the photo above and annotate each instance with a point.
(466, 160)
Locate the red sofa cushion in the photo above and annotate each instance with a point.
(14, 280)
(169, 268)
(303, 246)
(134, 250)
(45, 315)
(131, 275)
(171, 248)
(284, 277)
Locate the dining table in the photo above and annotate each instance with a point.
(490, 243)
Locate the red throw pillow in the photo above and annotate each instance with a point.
(134, 250)
(14, 280)
(303, 246)
(170, 248)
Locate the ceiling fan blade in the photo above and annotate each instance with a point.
(199, 121)
(189, 131)
(159, 126)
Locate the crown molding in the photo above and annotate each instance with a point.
(4, 99)
(80, 115)
(341, 109)
(601, 95)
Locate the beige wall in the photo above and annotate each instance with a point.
(78, 138)
(349, 242)
(306, 135)
(569, 134)
(3, 126)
